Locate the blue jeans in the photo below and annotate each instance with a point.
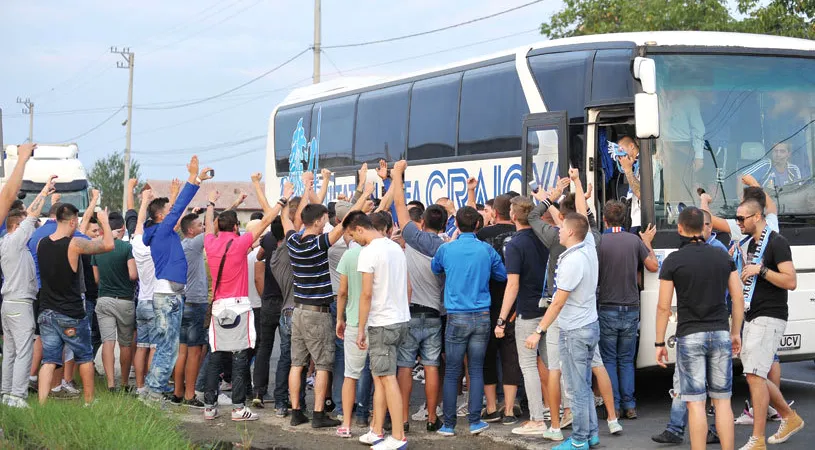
(467, 334)
(338, 376)
(168, 310)
(679, 410)
(281, 389)
(365, 390)
(618, 344)
(705, 361)
(577, 348)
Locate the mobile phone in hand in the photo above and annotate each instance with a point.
(211, 173)
(533, 187)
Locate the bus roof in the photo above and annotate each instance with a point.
(652, 38)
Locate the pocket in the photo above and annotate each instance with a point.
(393, 336)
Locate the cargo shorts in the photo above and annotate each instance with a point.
(383, 347)
(312, 333)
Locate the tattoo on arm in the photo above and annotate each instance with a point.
(633, 182)
(88, 247)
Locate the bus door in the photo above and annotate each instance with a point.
(545, 145)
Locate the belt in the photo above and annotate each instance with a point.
(425, 315)
(620, 307)
(322, 309)
(130, 299)
(423, 311)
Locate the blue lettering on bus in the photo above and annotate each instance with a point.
(303, 153)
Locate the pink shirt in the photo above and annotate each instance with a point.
(235, 280)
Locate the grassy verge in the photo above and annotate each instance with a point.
(115, 421)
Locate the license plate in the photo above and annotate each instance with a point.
(790, 342)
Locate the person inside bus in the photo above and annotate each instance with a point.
(631, 169)
(777, 170)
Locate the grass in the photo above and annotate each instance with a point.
(115, 421)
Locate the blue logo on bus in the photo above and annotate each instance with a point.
(304, 156)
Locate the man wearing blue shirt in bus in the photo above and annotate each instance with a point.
(468, 264)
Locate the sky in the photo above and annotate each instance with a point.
(57, 53)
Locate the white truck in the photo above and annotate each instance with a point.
(57, 159)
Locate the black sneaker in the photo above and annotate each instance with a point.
(112, 390)
(329, 405)
(175, 400)
(667, 438)
(631, 414)
(433, 427)
(321, 420)
(509, 420)
(495, 416)
(712, 437)
(193, 403)
(711, 411)
(407, 427)
(298, 418)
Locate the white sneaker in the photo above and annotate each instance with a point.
(421, 414)
(463, 409)
(68, 388)
(530, 428)
(390, 443)
(614, 426)
(224, 386)
(244, 414)
(746, 417)
(223, 400)
(566, 420)
(211, 413)
(753, 443)
(371, 438)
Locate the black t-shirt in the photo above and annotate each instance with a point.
(60, 291)
(700, 273)
(91, 288)
(526, 256)
(768, 299)
(490, 235)
(271, 290)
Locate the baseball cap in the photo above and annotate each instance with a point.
(343, 208)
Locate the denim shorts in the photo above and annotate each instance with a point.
(424, 339)
(383, 345)
(192, 325)
(145, 318)
(705, 361)
(58, 330)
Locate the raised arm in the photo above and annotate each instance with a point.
(35, 208)
(146, 198)
(209, 219)
(175, 189)
(268, 217)
(319, 198)
(546, 232)
(308, 187)
(239, 201)
(771, 207)
(259, 193)
(86, 218)
(9, 192)
(363, 178)
(397, 186)
(81, 246)
(130, 193)
(472, 184)
(651, 262)
(579, 196)
(336, 233)
(387, 199)
(627, 164)
(718, 223)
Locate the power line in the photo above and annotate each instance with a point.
(96, 127)
(331, 61)
(212, 97)
(223, 158)
(72, 78)
(423, 33)
(216, 146)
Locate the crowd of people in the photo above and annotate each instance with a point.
(525, 299)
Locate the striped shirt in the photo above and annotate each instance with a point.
(309, 261)
(764, 172)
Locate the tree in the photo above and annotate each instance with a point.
(107, 175)
(778, 17)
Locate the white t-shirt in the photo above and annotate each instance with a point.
(144, 267)
(577, 272)
(254, 297)
(737, 235)
(389, 302)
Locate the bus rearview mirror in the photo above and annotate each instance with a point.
(645, 71)
(646, 115)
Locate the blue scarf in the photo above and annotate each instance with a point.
(740, 255)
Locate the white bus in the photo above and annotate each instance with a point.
(527, 114)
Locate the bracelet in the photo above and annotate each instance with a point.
(547, 204)
(763, 271)
(283, 201)
(659, 344)
(211, 204)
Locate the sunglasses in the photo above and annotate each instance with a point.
(741, 219)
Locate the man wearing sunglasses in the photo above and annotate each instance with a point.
(767, 271)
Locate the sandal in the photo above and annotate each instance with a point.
(344, 432)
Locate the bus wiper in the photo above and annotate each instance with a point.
(796, 184)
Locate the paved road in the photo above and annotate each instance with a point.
(653, 407)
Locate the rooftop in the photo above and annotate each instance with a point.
(229, 193)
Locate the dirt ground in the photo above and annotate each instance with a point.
(274, 433)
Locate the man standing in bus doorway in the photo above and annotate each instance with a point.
(701, 275)
(768, 274)
(631, 169)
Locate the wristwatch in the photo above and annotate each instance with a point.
(762, 272)
(211, 204)
(539, 330)
(659, 344)
(501, 322)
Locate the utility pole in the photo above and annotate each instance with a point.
(28, 108)
(317, 14)
(128, 64)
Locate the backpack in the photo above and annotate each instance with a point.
(500, 242)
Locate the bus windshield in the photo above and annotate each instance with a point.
(724, 116)
(76, 198)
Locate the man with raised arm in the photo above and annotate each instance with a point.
(232, 327)
(19, 293)
(171, 276)
(312, 327)
(145, 318)
(62, 316)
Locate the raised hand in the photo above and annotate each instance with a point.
(369, 189)
(399, 167)
(102, 216)
(588, 192)
(363, 173)
(242, 196)
(55, 198)
(288, 189)
(472, 183)
(192, 167)
(175, 187)
(647, 236)
(95, 194)
(132, 183)
(205, 174)
(706, 199)
(25, 151)
(256, 177)
(213, 196)
(749, 180)
(49, 188)
(627, 163)
(308, 180)
(326, 175)
(574, 174)
(147, 196)
(382, 170)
